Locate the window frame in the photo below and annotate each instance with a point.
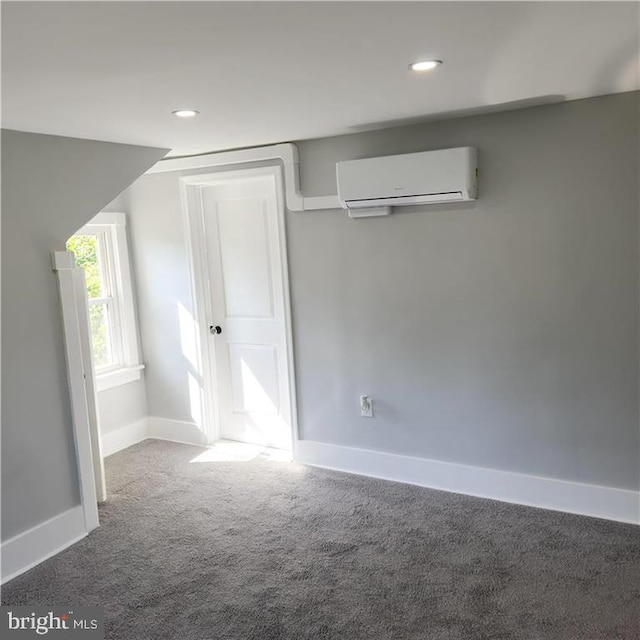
(111, 229)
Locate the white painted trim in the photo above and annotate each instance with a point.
(124, 285)
(154, 428)
(63, 260)
(288, 325)
(112, 226)
(201, 296)
(73, 315)
(29, 548)
(118, 377)
(287, 153)
(546, 493)
(90, 384)
(124, 437)
(176, 431)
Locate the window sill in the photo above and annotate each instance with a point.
(118, 377)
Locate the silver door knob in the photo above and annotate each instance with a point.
(214, 329)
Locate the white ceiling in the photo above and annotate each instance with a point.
(268, 72)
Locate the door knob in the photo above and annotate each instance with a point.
(214, 329)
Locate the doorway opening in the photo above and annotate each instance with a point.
(239, 276)
(108, 330)
(234, 332)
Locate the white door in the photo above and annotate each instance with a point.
(243, 265)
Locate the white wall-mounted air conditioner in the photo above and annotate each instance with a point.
(448, 175)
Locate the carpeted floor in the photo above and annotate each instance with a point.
(262, 550)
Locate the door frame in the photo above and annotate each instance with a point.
(200, 293)
(75, 326)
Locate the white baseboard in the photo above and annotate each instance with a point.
(124, 437)
(175, 431)
(546, 493)
(151, 427)
(31, 547)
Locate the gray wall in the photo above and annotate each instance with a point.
(51, 187)
(500, 334)
(162, 279)
(121, 406)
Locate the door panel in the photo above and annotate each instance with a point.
(254, 379)
(243, 252)
(245, 261)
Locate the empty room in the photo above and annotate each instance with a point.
(320, 320)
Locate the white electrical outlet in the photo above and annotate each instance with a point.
(366, 407)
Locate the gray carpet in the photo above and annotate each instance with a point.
(262, 551)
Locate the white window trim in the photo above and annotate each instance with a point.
(114, 224)
(118, 377)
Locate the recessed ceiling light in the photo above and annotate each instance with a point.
(185, 113)
(425, 65)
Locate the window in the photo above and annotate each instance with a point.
(100, 249)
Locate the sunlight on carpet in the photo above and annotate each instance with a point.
(241, 452)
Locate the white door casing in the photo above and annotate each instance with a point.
(75, 325)
(235, 224)
(90, 383)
